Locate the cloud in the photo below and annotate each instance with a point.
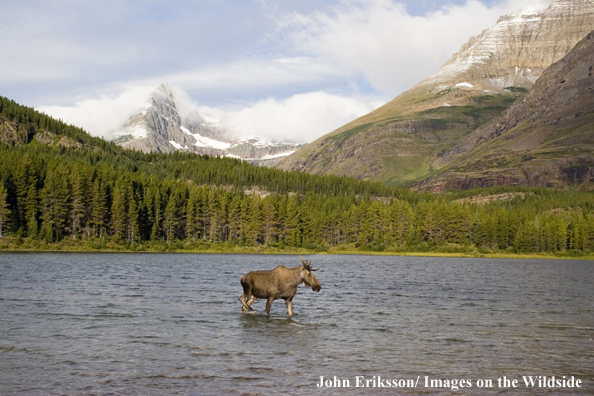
(103, 115)
(381, 40)
(299, 118)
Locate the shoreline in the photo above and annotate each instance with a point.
(214, 249)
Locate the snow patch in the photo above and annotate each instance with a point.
(176, 144)
(446, 104)
(202, 141)
(272, 156)
(465, 84)
(138, 131)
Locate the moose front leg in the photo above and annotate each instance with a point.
(290, 306)
(268, 305)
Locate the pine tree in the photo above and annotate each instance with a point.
(233, 218)
(119, 210)
(79, 198)
(54, 207)
(133, 229)
(4, 209)
(99, 207)
(172, 216)
(292, 228)
(269, 221)
(253, 232)
(32, 210)
(192, 215)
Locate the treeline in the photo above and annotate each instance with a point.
(104, 194)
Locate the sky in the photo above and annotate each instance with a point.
(289, 70)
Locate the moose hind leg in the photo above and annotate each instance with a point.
(250, 301)
(245, 307)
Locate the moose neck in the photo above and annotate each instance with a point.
(296, 278)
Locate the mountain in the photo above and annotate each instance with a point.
(160, 128)
(545, 139)
(402, 141)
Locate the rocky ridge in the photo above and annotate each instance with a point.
(159, 127)
(401, 141)
(544, 139)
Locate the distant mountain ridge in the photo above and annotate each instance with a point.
(403, 141)
(160, 128)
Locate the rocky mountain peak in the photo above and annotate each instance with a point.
(160, 127)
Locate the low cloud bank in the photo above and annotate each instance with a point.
(299, 118)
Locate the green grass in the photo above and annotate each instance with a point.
(401, 169)
(346, 135)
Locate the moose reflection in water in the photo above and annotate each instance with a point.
(280, 282)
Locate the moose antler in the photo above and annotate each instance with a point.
(307, 264)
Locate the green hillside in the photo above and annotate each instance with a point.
(398, 143)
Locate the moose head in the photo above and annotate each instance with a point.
(308, 278)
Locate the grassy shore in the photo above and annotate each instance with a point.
(11, 244)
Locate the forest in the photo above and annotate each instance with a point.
(61, 187)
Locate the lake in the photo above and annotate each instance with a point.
(165, 324)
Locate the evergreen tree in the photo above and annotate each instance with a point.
(4, 209)
(99, 207)
(119, 210)
(133, 229)
(32, 210)
(54, 197)
(269, 220)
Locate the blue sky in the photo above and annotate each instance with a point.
(285, 70)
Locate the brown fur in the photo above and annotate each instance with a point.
(280, 282)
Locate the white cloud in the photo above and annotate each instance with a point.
(103, 115)
(256, 74)
(300, 118)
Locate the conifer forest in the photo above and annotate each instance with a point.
(58, 183)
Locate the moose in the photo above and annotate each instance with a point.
(280, 282)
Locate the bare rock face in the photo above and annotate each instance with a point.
(404, 140)
(516, 50)
(544, 139)
(160, 128)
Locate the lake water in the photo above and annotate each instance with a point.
(165, 324)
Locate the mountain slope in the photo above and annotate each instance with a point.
(401, 141)
(546, 139)
(160, 128)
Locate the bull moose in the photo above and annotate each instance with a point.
(280, 282)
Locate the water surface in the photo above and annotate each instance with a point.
(156, 324)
